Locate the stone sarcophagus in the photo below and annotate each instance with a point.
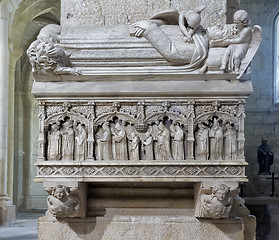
(142, 122)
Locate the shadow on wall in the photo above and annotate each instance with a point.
(263, 220)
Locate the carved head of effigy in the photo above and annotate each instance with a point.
(217, 32)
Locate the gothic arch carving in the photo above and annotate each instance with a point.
(110, 116)
(161, 115)
(221, 115)
(61, 117)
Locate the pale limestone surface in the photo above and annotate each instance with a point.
(141, 227)
(202, 142)
(109, 12)
(176, 228)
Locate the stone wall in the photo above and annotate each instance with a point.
(110, 12)
(262, 119)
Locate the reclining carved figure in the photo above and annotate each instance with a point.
(227, 48)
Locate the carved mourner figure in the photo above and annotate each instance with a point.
(54, 143)
(80, 143)
(216, 140)
(265, 158)
(62, 202)
(218, 204)
(104, 141)
(67, 141)
(230, 143)
(147, 145)
(163, 138)
(177, 143)
(134, 147)
(120, 142)
(202, 143)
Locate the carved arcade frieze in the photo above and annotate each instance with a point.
(150, 130)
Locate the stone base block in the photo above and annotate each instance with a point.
(249, 227)
(178, 228)
(124, 227)
(7, 212)
(70, 228)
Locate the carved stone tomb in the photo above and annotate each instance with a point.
(142, 120)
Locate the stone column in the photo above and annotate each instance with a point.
(7, 210)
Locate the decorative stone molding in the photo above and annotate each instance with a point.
(143, 171)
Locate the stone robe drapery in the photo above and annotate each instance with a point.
(54, 146)
(105, 145)
(147, 144)
(120, 143)
(216, 142)
(164, 143)
(202, 144)
(177, 143)
(134, 150)
(68, 144)
(230, 144)
(81, 144)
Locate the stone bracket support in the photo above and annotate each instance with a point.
(215, 200)
(66, 199)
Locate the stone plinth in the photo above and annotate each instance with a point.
(141, 224)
